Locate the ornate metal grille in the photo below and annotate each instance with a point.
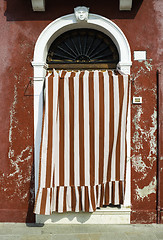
(83, 46)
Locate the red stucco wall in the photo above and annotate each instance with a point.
(19, 30)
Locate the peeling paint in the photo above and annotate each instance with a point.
(141, 193)
(148, 65)
(138, 164)
(25, 196)
(17, 157)
(152, 136)
(145, 68)
(137, 137)
(20, 158)
(13, 122)
(144, 134)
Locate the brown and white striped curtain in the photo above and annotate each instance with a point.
(83, 148)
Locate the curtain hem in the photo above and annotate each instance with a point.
(78, 198)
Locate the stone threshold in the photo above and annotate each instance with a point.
(108, 215)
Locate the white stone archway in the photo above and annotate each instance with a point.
(48, 35)
(68, 22)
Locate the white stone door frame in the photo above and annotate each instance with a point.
(48, 35)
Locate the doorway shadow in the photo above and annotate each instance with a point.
(17, 10)
(30, 218)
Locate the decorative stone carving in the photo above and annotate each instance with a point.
(81, 13)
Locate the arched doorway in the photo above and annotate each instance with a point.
(120, 54)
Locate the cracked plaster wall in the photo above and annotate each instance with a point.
(144, 144)
(20, 28)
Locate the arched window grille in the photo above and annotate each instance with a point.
(83, 47)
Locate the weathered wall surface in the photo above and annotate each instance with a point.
(160, 145)
(144, 117)
(19, 30)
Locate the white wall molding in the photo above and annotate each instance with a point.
(125, 5)
(38, 5)
(124, 67)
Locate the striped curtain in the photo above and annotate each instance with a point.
(83, 147)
